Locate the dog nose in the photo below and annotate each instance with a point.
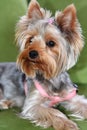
(33, 54)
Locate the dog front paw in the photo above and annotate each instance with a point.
(81, 108)
(5, 104)
(70, 125)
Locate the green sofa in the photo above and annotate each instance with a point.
(10, 12)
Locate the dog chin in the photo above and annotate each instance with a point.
(38, 76)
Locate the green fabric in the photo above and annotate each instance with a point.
(10, 11)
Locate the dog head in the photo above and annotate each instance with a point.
(48, 45)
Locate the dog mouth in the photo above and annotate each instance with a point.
(34, 61)
(42, 65)
(29, 66)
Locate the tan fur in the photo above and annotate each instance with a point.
(34, 8)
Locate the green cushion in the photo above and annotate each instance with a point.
(10, 10)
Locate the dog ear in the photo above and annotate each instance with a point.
(67, 19)
(70, 28)
(34, 10)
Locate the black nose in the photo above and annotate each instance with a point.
(33, 54)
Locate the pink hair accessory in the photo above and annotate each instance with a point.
(51, 20)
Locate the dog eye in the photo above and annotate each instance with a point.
(30, 39)
(50, 43)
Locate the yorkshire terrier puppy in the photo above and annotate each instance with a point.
(49, 46)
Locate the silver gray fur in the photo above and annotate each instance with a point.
(12, 83)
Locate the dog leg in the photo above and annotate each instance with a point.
(78, 106)
(42, 115)
(5, 104)
(9, 103)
